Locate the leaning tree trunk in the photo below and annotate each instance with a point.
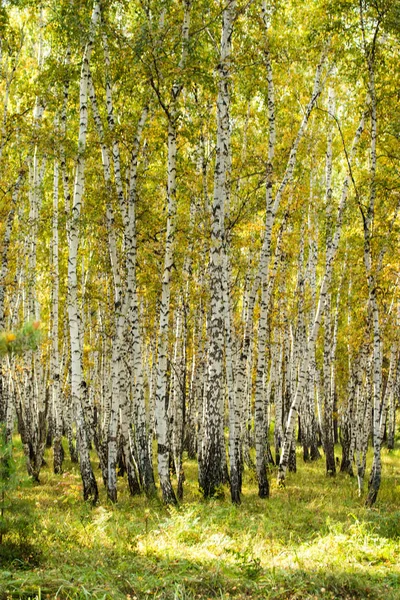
(310, 349)
(262, 275)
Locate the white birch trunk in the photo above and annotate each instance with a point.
(143, 437)
(234, 414)
(212, 464)
(161, 391)
(55, 358)
(77, 382)
(328, 437)
(5, 245)
(368, 222)
(118, 377)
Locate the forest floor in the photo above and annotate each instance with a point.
(313, 539)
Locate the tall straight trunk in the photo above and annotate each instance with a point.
(177, 405)
(5, 245)
(36, 178)
(328, 437)
(306, 406)
(103, 408)
(358, 406)
(142, 434)
(335, 329)
(118, 377)
(300, 336)
(33, 405)
(78, 384)
(285, 359)
(120, 431)
(375, 478)
(190, 439)
(346, 417)
(55, 358)
(162, 359)
(313, 424)
(212, 464)
(235, 462)
(259, 426)
(196, 389)
(234, 413)
(363, 418)
(368, 222)
(390, 388)
(392, 400)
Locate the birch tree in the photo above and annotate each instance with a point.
(161, 392)
(368, 219)
(77, 382)
(211, 466)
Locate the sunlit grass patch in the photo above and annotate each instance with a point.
(312, 539)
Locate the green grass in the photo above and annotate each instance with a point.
(313, 539)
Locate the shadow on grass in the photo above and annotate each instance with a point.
(147, 577)
(95, 553)
(19, 555)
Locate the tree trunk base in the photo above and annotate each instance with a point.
(181, 479)
(263, 488)
(292, 459)
(133, 482)
(235, 485)
(168, 494)
(58, 457)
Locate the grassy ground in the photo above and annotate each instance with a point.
(313, 539)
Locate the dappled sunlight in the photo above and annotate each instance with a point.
(199, 275)
(312, 539)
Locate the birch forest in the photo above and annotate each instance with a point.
(199, 237)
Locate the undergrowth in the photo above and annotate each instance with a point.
(313, 539)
